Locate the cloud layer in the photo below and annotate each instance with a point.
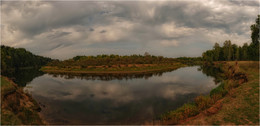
(169, 28)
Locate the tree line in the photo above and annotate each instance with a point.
(13, 59)
(189, 60)
(231, 52)
(109, 60)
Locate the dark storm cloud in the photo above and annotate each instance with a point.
(91, 29)
(169, 28)
(243, 2)
(103, 31)
(58, 35)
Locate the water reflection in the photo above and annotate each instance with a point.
(214, 72)
(23, 76)
(118, 100)
(107, 77)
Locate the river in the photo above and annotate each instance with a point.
(105, 99)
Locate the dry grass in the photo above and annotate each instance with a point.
(17, 108)
(240, 106)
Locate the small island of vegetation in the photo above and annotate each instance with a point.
(113, 64)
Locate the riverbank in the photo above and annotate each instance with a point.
(240, 105)
(114, 69)
(235, 101)
(17, 107)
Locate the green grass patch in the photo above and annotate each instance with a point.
(218, 92)
(6, 86)
(203, 102)
(187, 110)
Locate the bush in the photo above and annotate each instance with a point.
(203, 102)
(187, 110)
(220, 90)
(231, 84)
(9, 118)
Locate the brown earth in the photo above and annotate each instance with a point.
(17, 107)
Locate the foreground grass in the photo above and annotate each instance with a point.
(241, 104)
(232, 102)
(131, 68)
(17, 108)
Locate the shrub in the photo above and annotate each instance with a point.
(220, 90)
(230, 84)
(187, 110)
(9, 118)
(203, 102)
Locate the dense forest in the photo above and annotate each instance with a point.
(231, 52)
(13, 59)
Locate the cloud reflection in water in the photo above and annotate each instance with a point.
(146, 93)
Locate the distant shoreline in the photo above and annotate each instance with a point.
(157, 68)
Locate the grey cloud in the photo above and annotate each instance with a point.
(169, 28)
(58, 34)
(242, 2)
(91, 29)
(42, 16)
(103, 31)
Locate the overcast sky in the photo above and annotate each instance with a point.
(167, 28)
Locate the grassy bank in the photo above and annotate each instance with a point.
(130, 68)
(234, 101)
(17, 107)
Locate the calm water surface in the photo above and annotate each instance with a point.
(134, 100)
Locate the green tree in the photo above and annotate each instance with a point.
(227, 50)
(146, 54)
(234, 50)
(253, 50)
(13, 59)
(208, 55)
(244, 52)
(255, 31)
(237, 54)
(217, 50)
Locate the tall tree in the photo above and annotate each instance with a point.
(255, 31)
(253, 50)
(208, 55)
(217, 50)
(244, 52)
(237, 54)
(227, 49)
(234, 52)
